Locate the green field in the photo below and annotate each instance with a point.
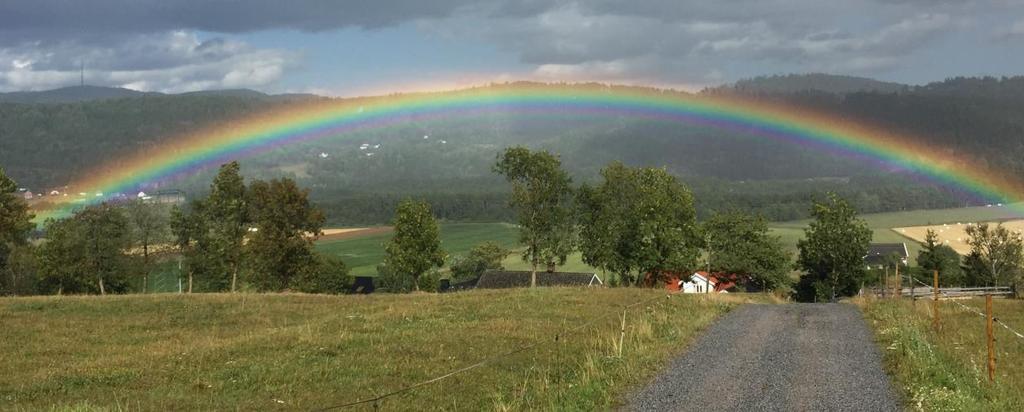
(303, 352)
(946, 370)
(363, 253)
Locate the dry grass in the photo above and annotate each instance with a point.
(953, 235)
(258, 352)
(947, 370)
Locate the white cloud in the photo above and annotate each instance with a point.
(175, 61)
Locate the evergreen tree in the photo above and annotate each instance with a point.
(415, 246)
(938, 257)
(832, 251)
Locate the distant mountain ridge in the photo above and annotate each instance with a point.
(77, 94)
(820, 82)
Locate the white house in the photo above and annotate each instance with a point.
(698, 283)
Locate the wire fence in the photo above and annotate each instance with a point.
(951, 298)
(375, 401)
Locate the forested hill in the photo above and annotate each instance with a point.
(45, 146)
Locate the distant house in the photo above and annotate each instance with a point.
(701, 282)
(501, 279)
(28, 195)
(879, 253)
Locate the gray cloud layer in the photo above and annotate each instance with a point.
(151, 44)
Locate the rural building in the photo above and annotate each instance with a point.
(701, 282)
(500, 279)
(879, 253)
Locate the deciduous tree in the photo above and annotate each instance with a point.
(482, 257)
(542, 199)
(415, 246)
(285, 223)
(15, 219)
(999, 250)
(832, 251)
(638, 221)
(738, 243)
(228, 216)
(88, 251)
(149, 226)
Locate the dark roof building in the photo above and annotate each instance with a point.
(878, 253)
(499, 279)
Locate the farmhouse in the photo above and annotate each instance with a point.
(879, 253)
(701, 282)
(500, 279)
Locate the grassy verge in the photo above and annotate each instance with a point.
(259, 352)
(946, 371)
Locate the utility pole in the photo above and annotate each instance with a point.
(82, 73)
(935, 302)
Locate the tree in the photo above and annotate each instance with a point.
(149, 226)
(415, 246)
(191, 233)
(87, 252)
(228, 218)
(639, 221)
(285, 224)
(15, 219)
(938, 257)
(999, 249)
(832, 251)
(482, 257)
(541, 197)
(738, 243)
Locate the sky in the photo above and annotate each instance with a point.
(348, 48)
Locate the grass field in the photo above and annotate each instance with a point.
(947, 370)
(287, 352)
(363, 253)
(952, 234)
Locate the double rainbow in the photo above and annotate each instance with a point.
(334, 119)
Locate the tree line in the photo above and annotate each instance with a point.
(257, 237)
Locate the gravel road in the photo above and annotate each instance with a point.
(797, 357)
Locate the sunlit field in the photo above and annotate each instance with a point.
(266, 352)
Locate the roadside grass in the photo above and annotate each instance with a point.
(293, 351)
(947, 371)
(363, 253)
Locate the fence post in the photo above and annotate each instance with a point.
(935, 301)
(899, 282)
(622, 332)
(990, 331)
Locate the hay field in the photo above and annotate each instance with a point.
(953, 234)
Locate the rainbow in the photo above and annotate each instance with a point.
(335, 118)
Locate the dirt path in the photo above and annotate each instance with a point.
(798, 357)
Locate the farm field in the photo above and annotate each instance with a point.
(952, 234)
(289, 351)
(362, 250)
(946, 370)
(363, 253)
